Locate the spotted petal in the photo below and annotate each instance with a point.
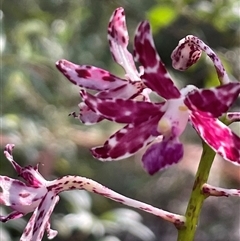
(162, 154)
(89, 77)
(19, 196)
(218, 136)
(40, 219)
(11, 216)
(127, 141)
(89, 117)
(118, 41)
(126, 91)
(214, 101)
(28, 231)
(155, 74)
(120, 110)
(86, 115)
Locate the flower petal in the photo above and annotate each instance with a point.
(214, 101)
(125, 91)
(50, 232)
(162, 154)
(29, 173)
(89, 117)
(218, 136)
(19, 196)
(8, 153)
(27, 233)
(127, 141)
(118, 41)
(86, 115)
(40, 220)
(188, 53)
(12, 215)
(155, 74)
(89, 77)
(120, 110)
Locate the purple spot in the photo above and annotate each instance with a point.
(123, 39)
(41, 214)
(83, 73)
(24, 195)
(109, 78)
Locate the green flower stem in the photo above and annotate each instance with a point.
(197, 198)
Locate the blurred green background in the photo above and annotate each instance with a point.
(36, 100)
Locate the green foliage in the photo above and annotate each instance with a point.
(161, 16)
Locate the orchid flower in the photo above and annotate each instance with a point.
(106, 84)
(40, 196)
(165, 121)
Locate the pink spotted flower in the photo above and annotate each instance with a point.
(37, 195)
(104, 83)
(164, 122)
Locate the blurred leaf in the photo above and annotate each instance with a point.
(161, 16)
(127, 220)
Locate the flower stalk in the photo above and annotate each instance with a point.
(197, 198)
(219, 192)
(67, 183)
